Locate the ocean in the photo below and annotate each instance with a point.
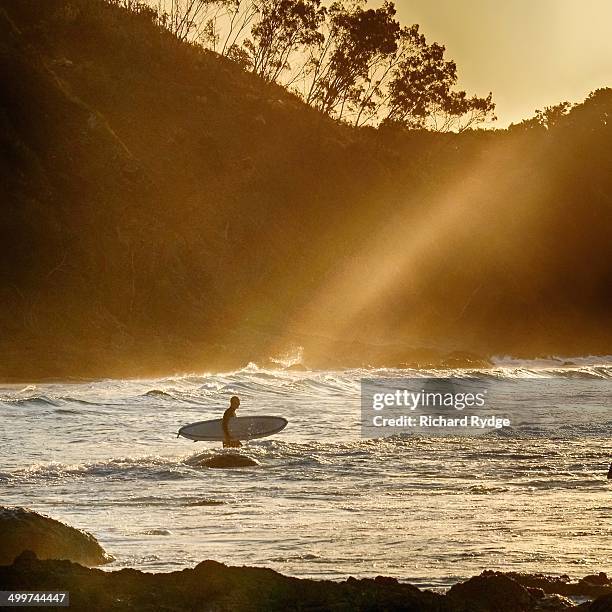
(324, 502)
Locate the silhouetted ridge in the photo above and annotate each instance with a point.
(164, 210)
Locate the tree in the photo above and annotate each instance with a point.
(420, 92)
(369, 70)
(352, 63)
(186, 18)
(284, 27)
(357, 41)
(545, 119)
(237, 18)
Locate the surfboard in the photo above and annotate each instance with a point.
(240, 428)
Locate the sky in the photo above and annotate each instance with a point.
(529, 53)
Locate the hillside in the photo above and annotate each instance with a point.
(162, 210)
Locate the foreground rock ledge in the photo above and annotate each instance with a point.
(22, 529)
(215, 586)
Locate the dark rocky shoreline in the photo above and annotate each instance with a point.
(215, 586)
(38, 553)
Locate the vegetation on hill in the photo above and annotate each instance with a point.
(354, 63)
(164, 209)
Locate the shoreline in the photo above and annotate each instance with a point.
(211, 585)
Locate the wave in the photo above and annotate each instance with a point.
(594, 372)
(552, 361)
(481, 489)
(553, 432)
(348, 380)
(78, 400)
(187, 395)
(32, 401)
(254, 382)
(158, 393)
(122, 468)
(205, 502)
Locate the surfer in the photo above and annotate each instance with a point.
(228, 442)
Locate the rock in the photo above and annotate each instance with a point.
(600, 579)
(159, 532)
(212, 586)
(583, 607)
(553, 603)
(548, 584)
(601, 604)
(22, 529)
(589, 586)
(493, 593)
(215, 586)
(228, 461)
(536, 592)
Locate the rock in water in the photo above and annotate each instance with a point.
(22, 529)
(228, 461)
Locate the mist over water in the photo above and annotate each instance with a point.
(104, 456)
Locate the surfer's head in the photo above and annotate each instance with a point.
(234, 402)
